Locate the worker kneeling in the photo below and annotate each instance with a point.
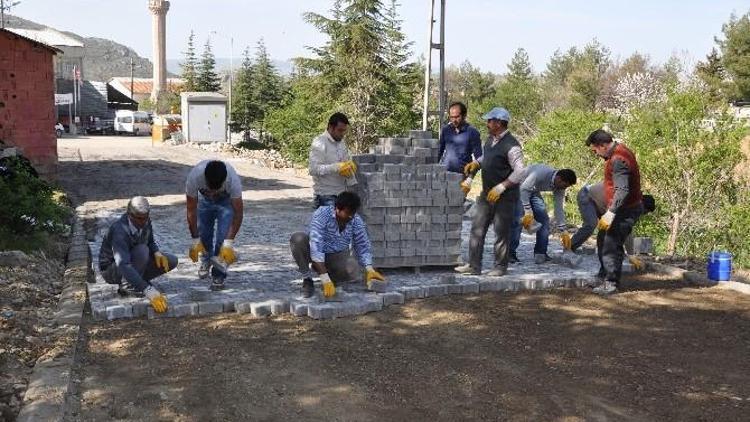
(333, 230)
(130, 257)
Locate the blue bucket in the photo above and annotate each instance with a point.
(719, 266)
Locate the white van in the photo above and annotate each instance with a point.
(132, 122)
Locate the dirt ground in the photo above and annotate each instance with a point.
(661, 350)
(28, 298)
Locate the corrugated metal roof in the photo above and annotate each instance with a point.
(47, 36)
(35, 42)
(144, 85)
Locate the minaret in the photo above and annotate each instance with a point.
(159, 10)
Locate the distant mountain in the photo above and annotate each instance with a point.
(284, 67)
(103, 60)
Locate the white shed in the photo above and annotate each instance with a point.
(204, 116)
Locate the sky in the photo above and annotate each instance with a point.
(484, 32)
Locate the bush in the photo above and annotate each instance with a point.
(31, 208)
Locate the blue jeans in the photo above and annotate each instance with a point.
(218, 212)
(539, 208)
(324, 200)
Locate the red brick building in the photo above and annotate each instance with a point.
(27, 99)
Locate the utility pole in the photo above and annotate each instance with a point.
(440, 46)
(132, 66)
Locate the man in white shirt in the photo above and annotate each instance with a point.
(331, 166)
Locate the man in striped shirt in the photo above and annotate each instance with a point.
(333, 230)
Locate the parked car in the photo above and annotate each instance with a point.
(132, 122)
(100, 127)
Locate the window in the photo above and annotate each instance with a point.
(128, 119)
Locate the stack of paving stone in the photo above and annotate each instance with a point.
(413, 207)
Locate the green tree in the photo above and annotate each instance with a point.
(189, 64)
(208, 80)
(467, 83)
(713, 75)
(243, 107)
(266, 87)
(689, 166)
(356, 68)
(735, 52)
(300, 118)
(520, 93)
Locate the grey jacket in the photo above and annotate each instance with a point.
(117, 244)
(540, 178)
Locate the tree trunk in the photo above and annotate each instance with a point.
(672, 243)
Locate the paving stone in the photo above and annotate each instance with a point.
(373, 303)
(140, 309)
(279, 306)
(321, 311)
(260, 309)
(435, 290)
(469, 288)
(210, 307)
(119, 311)
(489, 286)
(299, 308)
(393, 298)
(242, 307)
(185, 309)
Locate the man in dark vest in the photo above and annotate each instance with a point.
(622, 193)
(502, 171)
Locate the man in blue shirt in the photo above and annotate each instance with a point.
(458, 140)
(333, 229)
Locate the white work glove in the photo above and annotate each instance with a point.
(158, 300)
(606, 220)
(494, 194)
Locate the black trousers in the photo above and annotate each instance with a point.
(610, 243)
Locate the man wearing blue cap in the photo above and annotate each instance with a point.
(502, 171)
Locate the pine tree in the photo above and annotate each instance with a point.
(361, 68)
(208, 80)
(519, 68)
(267, 87)
(189, 64)
(242, 107)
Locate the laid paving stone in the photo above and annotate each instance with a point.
(119, 311)
(270, 278)
(185, 309)
(393, 298)
(321, 311)
(260, 309)
(210, 307)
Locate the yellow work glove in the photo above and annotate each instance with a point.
(371, 275)
(158, 300)
(636, 263)
(347, 169)
(494, 194)
(328, 288)
(527, 220)
(466, 185)
(226, 253)
(566, 241)
(161, 261)
(471, 168)
(196, 249)
(606, 220)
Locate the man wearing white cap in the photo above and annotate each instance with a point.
(502, 171)
(130, 257)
